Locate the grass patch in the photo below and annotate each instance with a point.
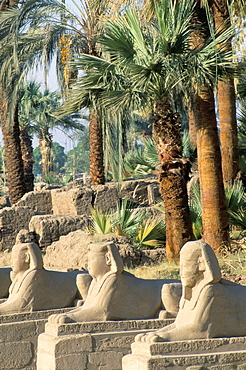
(233, 265)
(163, 270)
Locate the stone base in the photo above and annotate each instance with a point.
(90, 345)
(18, 338)
(210, 354)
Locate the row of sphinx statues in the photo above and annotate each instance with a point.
(203, 304)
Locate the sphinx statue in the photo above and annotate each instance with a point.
(115, 294)
(210, 307)
(35, 288)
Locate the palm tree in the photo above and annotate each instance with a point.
(27, 104)
(36, 115)
(227, 100)
(71, 31)
(134, 74)
(150, 66)
(27, 157)
(9, 111)
(214, 216)
(19, 51)
(223, 14)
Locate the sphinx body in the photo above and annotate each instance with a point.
(35, 288)
(122, 296)
(115, 294)
(220, 311)
(210, 306)
(39, 289)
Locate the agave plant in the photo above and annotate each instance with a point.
(131, 221)
(127, 219)
(152, 233)
(101, 222)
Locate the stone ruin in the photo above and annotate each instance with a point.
(19, 336)
(199, 354)
(208, 332)
(54, 212)
(115, 294)
(35, 288)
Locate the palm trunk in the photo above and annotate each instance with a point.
(173, 177)
(10, 131)
(214, 214)
(27, 156)
(14, 163)
(45, 144)
(227, 105)
(96, 150)
(192, 124)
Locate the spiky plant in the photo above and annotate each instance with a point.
(101, 222)
(127, 219)
(152, 233)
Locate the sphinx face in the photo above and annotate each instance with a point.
(97, 265)
(19, 261)
(189, 271)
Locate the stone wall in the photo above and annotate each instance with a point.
(18, 338)
(199, 354)
(78, 200)
(39, 201)
(106, 196)
(50, 228)
(69, 201)
(72, 202)
(12, 220)
(142, 191)
(89, 345)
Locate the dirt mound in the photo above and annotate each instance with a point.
(70, 251)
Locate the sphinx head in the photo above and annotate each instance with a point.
(25, 254)
(198, 263)
(102, 258)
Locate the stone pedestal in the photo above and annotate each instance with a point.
(210, 354)
(90, 345)
(18, 338)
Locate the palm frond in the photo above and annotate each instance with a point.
(196, 210)
(235, 197)
(143, 160)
